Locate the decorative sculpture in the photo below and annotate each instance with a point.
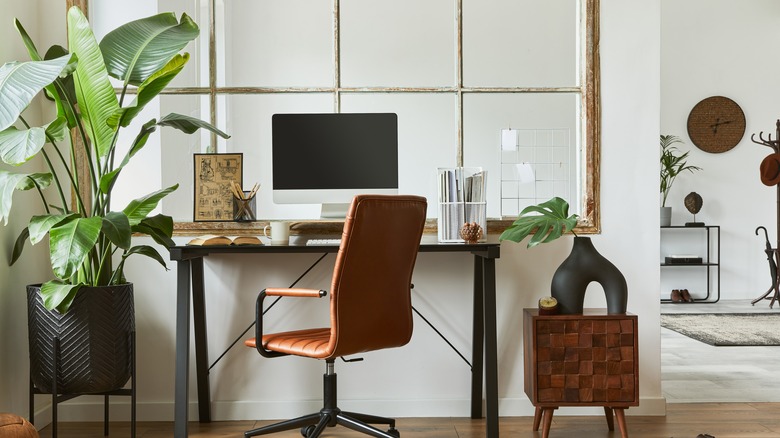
(583, 266)
(693, 203)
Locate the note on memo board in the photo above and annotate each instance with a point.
(214, 174)
(509, 139)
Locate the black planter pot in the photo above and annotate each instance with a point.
(583, 266)
(94, 340)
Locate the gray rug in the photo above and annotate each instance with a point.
(726, 329)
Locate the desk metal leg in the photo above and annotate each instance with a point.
(485, 348)
(491, 347)
(201, 341)
(182, 347)
(477, 340)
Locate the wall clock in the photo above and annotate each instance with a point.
(716, 124)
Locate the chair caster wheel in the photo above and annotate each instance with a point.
(306, 431)
(394, 432)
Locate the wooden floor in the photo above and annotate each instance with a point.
(741, 379)
(684, 420)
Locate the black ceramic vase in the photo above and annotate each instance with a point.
(583, 266)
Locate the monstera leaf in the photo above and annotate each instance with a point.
(548, 221)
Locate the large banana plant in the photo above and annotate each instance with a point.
(89, 242)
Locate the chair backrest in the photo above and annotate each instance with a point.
(370, 298)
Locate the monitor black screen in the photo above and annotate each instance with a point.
(340, 153)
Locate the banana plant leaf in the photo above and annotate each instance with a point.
(40, 225)
(96, 97)
(54, 52)
(33, 180)
(70, 243)
(138, 209)
(63, 90)
(148, 90)
(23, 81)
(18, 181)
(147, 251)
(8, 183)
(159, 227)
(18, 146)
(116, 227)
(136, 50)
(58, 295)
(189, 124)
(107, 180)
(19, 246)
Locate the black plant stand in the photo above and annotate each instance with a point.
(59, 398)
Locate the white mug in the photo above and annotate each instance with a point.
(280, 232)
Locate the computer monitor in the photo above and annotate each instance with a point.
(329, 158)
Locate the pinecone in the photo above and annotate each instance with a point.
(471, 232)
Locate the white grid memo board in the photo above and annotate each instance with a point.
(548, 152)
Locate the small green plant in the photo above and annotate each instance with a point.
(547, 221)
(672, 164)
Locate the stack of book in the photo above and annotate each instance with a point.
(461, 200)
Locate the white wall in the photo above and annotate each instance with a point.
(425, 378)
(33, 266)
(724, 48)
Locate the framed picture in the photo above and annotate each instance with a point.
(214, 174)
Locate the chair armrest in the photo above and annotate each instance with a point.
(277, 292)
(294, 292)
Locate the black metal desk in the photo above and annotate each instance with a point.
(189, 260)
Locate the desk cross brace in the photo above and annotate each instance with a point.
(241, 336)
(252, 324)
(430, 324)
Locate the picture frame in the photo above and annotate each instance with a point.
(213, 174)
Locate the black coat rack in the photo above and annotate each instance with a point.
(773, 257)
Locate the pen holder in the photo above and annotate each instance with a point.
(244, 210)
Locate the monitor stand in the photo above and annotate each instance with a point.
(334, 211)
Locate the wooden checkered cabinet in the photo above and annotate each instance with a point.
(588, 359)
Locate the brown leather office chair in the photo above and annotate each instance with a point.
(370, 305)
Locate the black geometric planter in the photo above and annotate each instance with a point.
(94, 340)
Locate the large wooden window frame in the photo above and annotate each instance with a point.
(588, 89)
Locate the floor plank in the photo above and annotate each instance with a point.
(683, 420)
(727, 392)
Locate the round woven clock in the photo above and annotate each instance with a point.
(716, 124)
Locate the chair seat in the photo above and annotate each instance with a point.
(309, 343)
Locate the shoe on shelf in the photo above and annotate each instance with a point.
(686, 296)
(677, 296)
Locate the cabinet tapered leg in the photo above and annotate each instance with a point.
(621, 421)
(548, 414)
(537, 418)
(608, 414)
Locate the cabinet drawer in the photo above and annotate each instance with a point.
(588, 359)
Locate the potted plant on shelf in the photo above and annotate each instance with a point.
(673, 163)
(89, 241)
(549, 221)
